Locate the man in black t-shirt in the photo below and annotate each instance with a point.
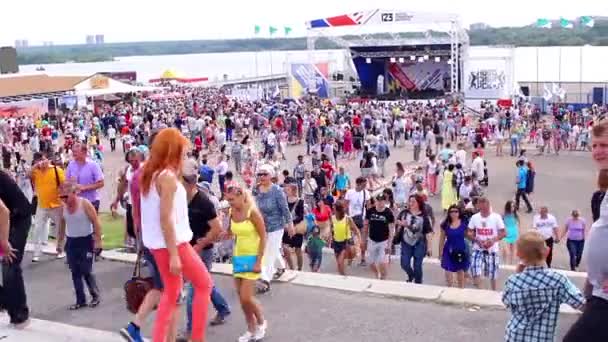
(379, 227)
(206, 228)
(15, 222)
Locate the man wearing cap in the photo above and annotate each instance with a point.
(46, 178)
(206, 228)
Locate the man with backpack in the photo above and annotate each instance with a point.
(206, 172)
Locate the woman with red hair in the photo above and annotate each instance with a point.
(166, 232)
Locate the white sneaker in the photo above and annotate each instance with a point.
(61, 255)
(246, 337)
(35, 258)
(260, 332)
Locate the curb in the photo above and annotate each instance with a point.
(467, 297)
(48, 331)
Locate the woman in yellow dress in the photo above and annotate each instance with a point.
(247, 226)
(448, 190)
(346, 236)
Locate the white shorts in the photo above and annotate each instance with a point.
(376, 252)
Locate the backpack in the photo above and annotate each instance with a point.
(206, 174)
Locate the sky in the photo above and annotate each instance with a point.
(69, 21)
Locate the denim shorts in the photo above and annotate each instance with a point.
(157, 282)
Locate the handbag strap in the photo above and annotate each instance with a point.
(137, 269)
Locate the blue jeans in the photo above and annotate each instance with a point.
(575, 249)
(79, 254)
(514, 145)
(218, 301)
(417, 251)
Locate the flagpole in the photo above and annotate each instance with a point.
(256, 64)
(559, 72)
(580, 76)
(537, 78)
(270, 61)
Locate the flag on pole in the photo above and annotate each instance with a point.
(287, 30)
(587, 21)
(547, 95)
(565, 23)
(543, 23)
(257, 29)
(272, 30)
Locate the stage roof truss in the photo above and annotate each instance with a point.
(381, 27)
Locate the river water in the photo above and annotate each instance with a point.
(211, 65)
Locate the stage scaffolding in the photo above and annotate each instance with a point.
(390, 28)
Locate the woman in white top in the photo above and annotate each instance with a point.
(166, 233)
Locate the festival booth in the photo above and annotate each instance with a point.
(398, 54)
(171, 75)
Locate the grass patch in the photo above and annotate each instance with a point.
(113, 230)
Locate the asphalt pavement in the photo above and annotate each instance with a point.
(295, 313)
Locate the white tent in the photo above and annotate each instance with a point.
(97, 85)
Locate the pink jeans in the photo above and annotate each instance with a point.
(195, 271)
(432, 183)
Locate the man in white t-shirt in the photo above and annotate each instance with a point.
(112, 137)
(356, 199)
(487, 229)
(477, 167)
(546, 224)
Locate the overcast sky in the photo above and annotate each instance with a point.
(69, 21)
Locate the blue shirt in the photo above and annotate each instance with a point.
(534, 297)
(522, 177)
(341, 181)
(206, 172)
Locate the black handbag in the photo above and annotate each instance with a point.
(457, 256)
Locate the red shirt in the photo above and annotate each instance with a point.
(198, 142)
(125, 130)
(327, 168)
(323, 214)
(356, 121)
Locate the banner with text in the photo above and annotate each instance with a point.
(486, 79)
(310, 78)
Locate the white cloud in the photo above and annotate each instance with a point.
(69, 21)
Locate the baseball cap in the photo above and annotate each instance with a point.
(190, 170)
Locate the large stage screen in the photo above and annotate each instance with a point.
(418, 76)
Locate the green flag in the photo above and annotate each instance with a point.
(543, 23)
(565, 23)
(287, 30)
(272, 30)
(257, 29)
(587, 21)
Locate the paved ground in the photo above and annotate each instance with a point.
(563, 183)
(295, 313)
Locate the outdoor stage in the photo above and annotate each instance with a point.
(398, 54)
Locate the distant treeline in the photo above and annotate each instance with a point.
(518, 36)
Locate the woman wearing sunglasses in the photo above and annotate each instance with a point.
(453, 248)
(247, 225)
(80, 224)
(272, 204)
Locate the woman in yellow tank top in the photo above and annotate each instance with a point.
(344, 229)
(247, 226)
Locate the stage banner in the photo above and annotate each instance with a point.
(33, 108)
(418, 76)
(378, 17)
(310, 78)
(486, 79)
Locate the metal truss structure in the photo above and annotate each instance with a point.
(414, 31)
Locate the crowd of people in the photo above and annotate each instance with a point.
(205, 179)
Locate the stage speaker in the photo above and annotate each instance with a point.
(525, 90)
(598, 95)
(8, 60)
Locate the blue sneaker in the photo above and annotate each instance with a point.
(131, 333)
